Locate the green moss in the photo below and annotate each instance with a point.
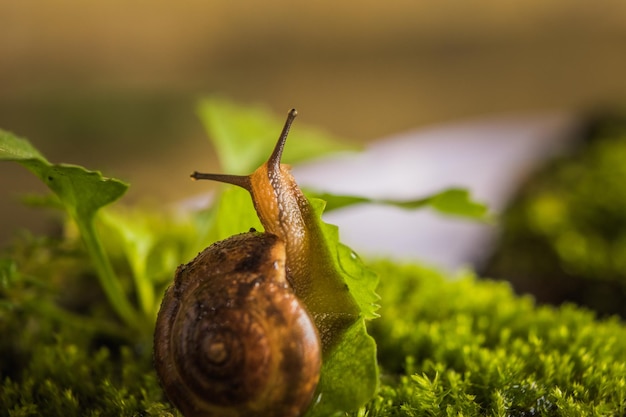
(64, 379)
(470, 347)
(59, 356)
(457, 346)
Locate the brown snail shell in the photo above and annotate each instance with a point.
(231, 337)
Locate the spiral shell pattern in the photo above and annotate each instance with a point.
(232, 339)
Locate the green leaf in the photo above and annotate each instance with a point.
(361, 280)
(245, 136)
(349, 375)
(13, 148)
(348, 378)
(153, 243)
(82, 193)
(233, 214)
(453, 202)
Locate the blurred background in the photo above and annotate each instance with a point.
(112, 86)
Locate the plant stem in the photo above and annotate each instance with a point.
(108, 280)
(145, 290)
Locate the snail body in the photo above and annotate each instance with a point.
(243, 329)
(285, 211)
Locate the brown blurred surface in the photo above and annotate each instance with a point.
(112, 85)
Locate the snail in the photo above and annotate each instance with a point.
(244, 327)
(232, 339)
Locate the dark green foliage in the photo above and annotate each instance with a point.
(564, 239)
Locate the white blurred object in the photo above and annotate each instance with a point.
(489, 157)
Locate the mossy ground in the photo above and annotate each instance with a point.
(447, 346)
(470, 347)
